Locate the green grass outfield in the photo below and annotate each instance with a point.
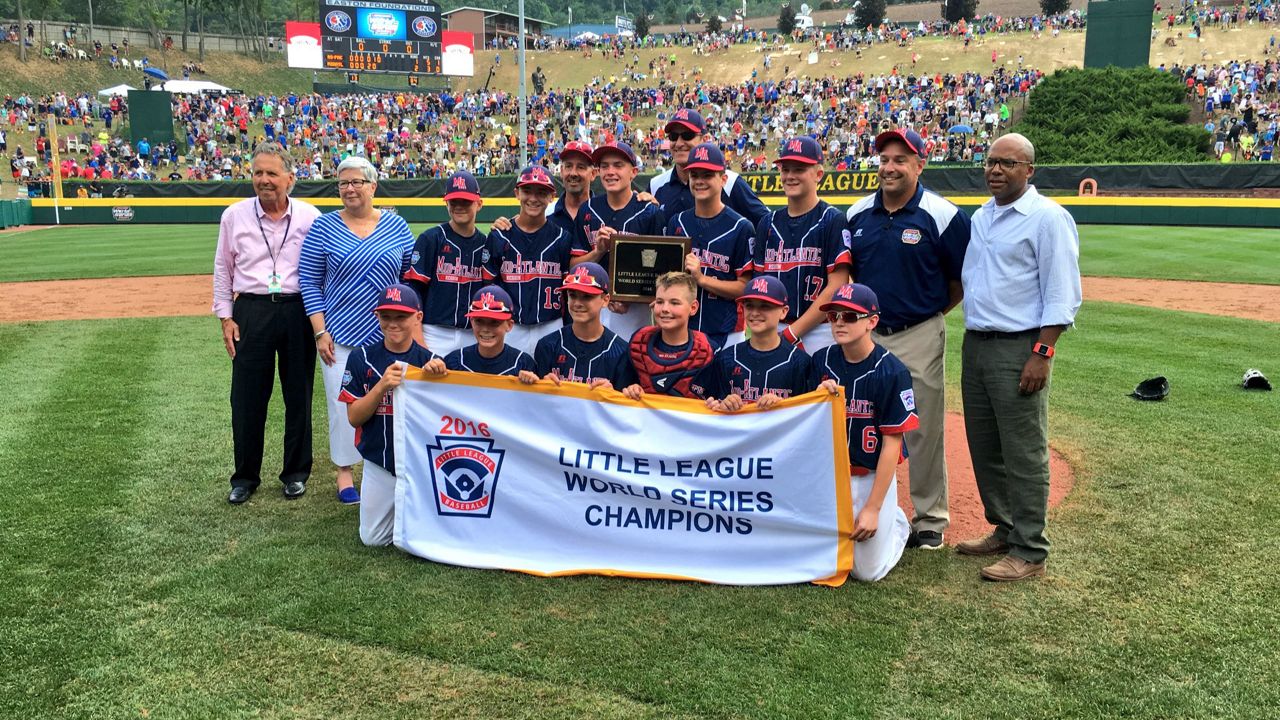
(1247, 255)
(132, 589)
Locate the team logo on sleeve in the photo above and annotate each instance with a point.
(848, 239)
(908, 399)
(346, 377)
(416, 257)
(464, 475)
(911, 236)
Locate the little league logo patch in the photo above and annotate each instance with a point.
(848, 240)
(908, 399)
(346, 377)
(416, 257)
(911, 236)
(464, 475)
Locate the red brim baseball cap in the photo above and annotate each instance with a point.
(461, 195)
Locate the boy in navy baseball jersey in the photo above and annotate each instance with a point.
(532, 256)
(450, 262)
(372, 373)
(805, 245)
(764, 369)
(618, 211)
(720, 261)
(668, 357)
(586, 351)
(490, 316)
(879, 409)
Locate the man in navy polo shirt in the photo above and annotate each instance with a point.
(908, 245)
(671, 188)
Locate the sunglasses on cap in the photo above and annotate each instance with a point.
(846, 316)
(685, 135)
(576, 280)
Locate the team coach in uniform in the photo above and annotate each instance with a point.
(908, 245)
(257, 298)
(1021, 291)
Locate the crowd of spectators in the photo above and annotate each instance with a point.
(409, 135)
(430, 135)
(1241, 104)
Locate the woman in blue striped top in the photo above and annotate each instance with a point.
(348, 258)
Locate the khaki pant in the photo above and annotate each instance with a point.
(922, 348)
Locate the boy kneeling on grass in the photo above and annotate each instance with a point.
(372, 373)
(585, 351)
(490, 317)
(669, 357)
(880, 408)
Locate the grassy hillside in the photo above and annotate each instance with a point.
(570, 69)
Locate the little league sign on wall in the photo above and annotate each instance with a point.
(564, 480)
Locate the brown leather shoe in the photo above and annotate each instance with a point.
(1012, 568)
(988, 545)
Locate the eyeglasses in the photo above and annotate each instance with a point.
(357, 184)
(685, 135)
(1005, 163)
(848, 317)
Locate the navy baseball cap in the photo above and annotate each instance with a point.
(856, 297)
(462, 185)
(536, 175)
(910, 137)
(706, 156)
(686, 119)
(580, 149)
(399, 298)
(802, 149)
(490, 302)
(766, 288)
(587, 277)
(617, 148)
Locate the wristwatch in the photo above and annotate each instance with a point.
(1042, 350)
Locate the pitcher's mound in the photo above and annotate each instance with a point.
(967, 518)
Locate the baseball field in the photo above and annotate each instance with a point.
(132, 589)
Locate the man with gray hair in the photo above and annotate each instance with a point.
(1021, 279)
(257, 298)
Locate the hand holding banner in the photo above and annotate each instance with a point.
(581, 481)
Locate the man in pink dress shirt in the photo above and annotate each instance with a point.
(256, 296)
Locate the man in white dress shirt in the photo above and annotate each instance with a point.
(1021, 280)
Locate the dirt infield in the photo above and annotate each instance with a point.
(186, 295)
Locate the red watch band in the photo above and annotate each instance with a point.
(1042, 349)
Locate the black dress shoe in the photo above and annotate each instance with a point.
(293, 490)
(239, 494)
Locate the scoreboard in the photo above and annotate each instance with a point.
(381, 37)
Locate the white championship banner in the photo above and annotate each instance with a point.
(563, 480)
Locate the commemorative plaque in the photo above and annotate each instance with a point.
(637, 260)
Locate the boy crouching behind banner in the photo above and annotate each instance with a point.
(880, 408)
(490, 316)
(669, 357)
(762, 370)
(372, 373)
(586, 351)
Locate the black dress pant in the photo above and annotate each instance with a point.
(270, 329)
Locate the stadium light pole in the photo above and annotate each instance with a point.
(524, 102)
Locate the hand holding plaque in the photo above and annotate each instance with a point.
(637, 261)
